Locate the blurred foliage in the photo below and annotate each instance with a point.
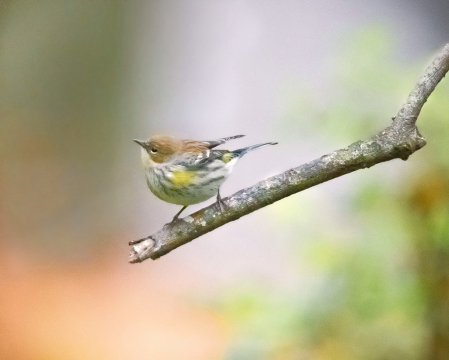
(60, 71)
(380, 284)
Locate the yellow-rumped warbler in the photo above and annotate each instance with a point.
(186, 172)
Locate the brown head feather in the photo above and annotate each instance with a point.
(194, 146)
(162, 147)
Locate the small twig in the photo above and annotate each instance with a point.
(399, 140)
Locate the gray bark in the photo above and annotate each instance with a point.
(399, 140)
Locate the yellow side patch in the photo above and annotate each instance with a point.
(183, 177)
(227, 157)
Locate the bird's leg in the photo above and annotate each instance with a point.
(220, 204)
(179, 213)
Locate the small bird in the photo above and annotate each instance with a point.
(186, 172)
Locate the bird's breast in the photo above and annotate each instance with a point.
(182, 177)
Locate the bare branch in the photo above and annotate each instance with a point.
(399, 140)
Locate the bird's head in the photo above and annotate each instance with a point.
(160, 148)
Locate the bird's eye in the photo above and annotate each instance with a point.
(153, 150)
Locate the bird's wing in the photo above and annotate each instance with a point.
(194, 160)
(224, 155)
(214, 143)
(212, 155)
(199, 160)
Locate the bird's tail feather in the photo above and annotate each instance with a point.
(241, 152)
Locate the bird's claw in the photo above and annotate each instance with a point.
(221, 205)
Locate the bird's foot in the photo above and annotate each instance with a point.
(176, 217)
(172, 223)
(175, 220)
(222, 207)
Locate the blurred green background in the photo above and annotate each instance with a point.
(356, 268)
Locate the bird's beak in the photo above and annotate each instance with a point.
(141, 143)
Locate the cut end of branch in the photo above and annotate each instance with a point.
(134, 257)
(141, 251)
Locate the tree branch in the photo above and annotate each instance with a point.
(399, 140)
